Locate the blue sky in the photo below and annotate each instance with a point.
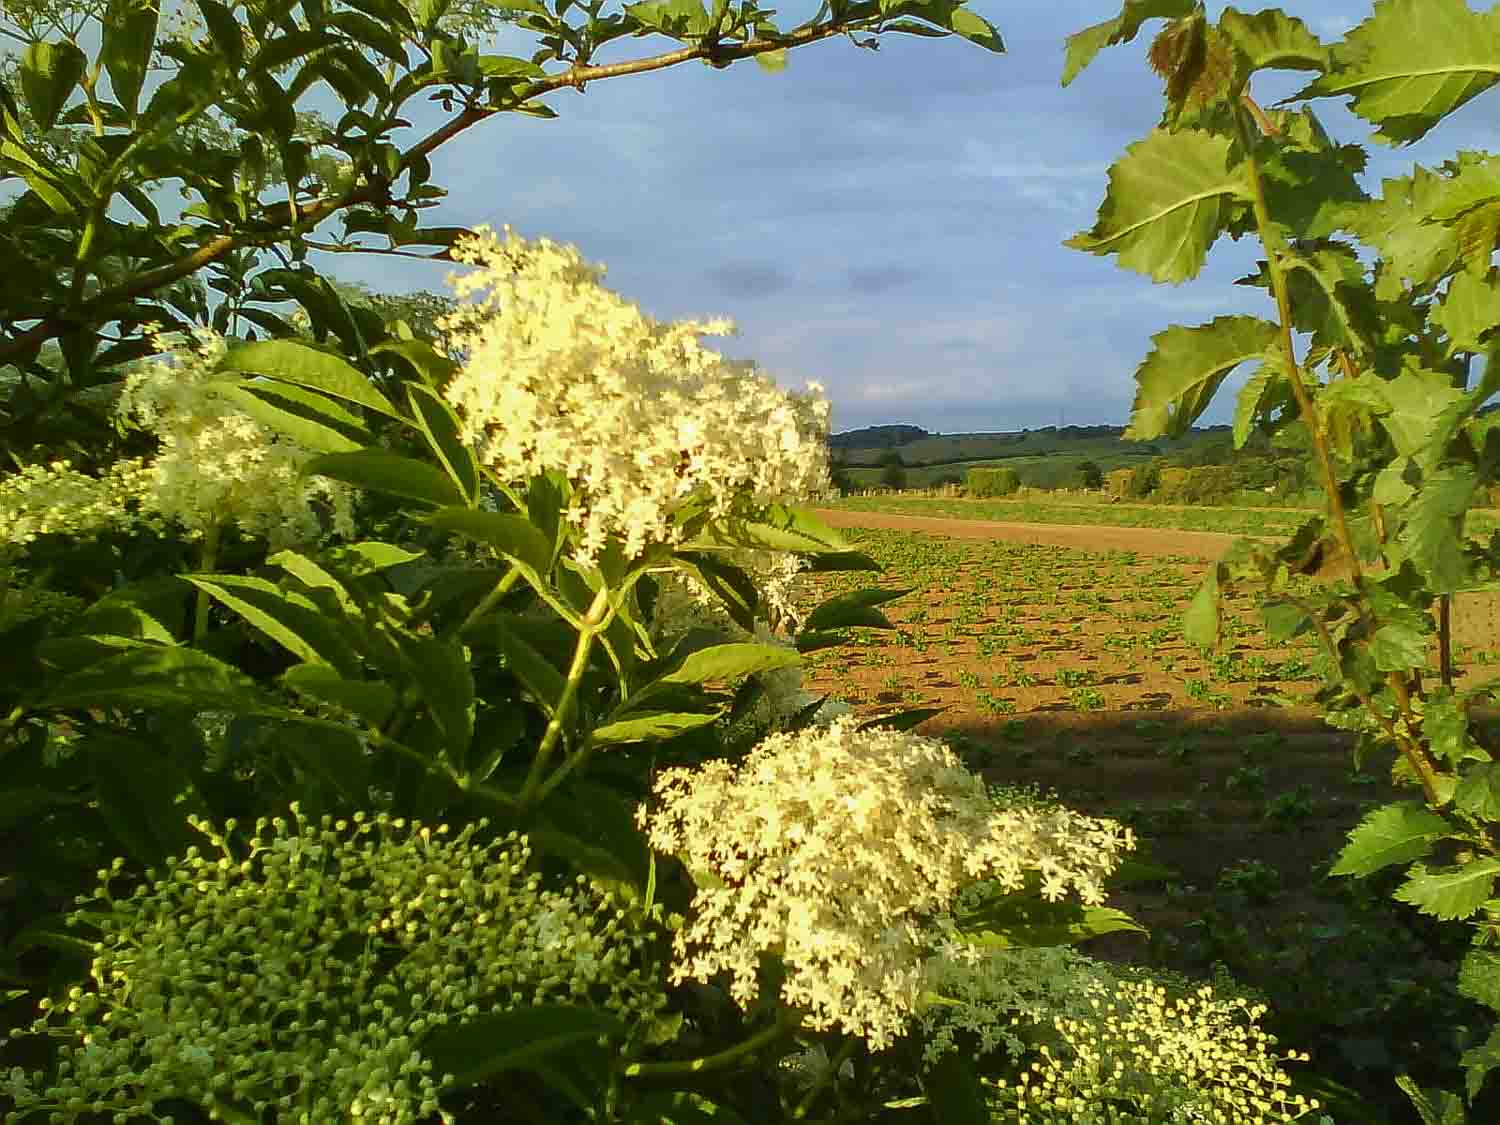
(887, 223)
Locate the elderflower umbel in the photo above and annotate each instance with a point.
(216, 464)
(304, 976)
(562, 374)
(836, 848)
(1141, 1058)
(57, 499)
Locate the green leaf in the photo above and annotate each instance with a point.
(440, 426)
(290, 620)
(372, 34)
(1433, 536)
(1273, 40)
(1438, 1107)
(1177, 380)
(224, 29)
(1202, 622)
(975, 28)
(1084, 46)
(1169, 198)
(778, 529)
(1247, 408)
(1479, 977)
(538, 674)
(1407, 91)
(434, 368)
(729, 663)
(129, 38)
(155, 676)
(293, 362)
(289, 47)
(389, 473)
(440, 669)
(1327, 288)
(1397, 647)
(304, 431)
(774, 62)
(484, 1046)
(1450, 893)
(1009, 919)
(854, 610)
(1478, 792)
(907, 719)
(1469, 312)
(509, 535)
(371, 701)
(650, 726)
(1396, 833)
(1413, 249)
(49, 71)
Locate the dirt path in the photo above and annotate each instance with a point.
(1142, 540)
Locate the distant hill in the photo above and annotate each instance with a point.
(1047, 457)
(877, 437)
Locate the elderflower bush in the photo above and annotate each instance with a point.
(839, 849)
(304, 976)
(217, 465)
(1141, 1057)
(57, 499)
(562, 374)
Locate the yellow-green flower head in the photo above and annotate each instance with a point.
(840, 849)
(301, 974)
(561, 374)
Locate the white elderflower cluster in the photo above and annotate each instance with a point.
(216, 464)
(302, 978)
(57, 499)
(1139, 1057)
(837, 849)
(561, 374)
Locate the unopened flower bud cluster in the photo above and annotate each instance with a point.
(1142, 1057)
(560, 373)
(837, 849)
(301, 976)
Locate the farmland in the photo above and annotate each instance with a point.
(1064, 669)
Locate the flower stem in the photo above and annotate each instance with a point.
(490, 600)
(830, 1075)
(594, 621)
(720, 1060)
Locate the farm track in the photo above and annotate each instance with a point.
(1153, 541)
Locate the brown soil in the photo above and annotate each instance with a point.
(1157, 542)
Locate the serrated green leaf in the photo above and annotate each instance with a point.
(1084, 46)
(1436, 1107)
(1273, 40)
(1396, 833)
(1247, 408)
(1478, 792)
(1327, 287)
(144, 797)
(1433, 537)
(510, 535)
(389, 473)
(1391, 486)
(1012, 920)
(1397, 647)
(370, 700)
(1450, 893)
(1405, 91)
(538, 674)
(49, 73)
(778, 529)
(483, 1046)
(1479, 977)
(1177, 380)
(1469, 311)
(293, 362)
(1169, 198)
(1413, 249)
